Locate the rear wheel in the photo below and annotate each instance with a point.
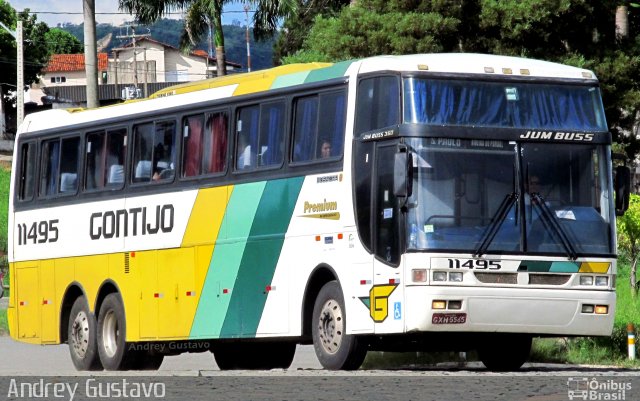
(334, 348)
(115, 353)
(505, 352)
(81, 335)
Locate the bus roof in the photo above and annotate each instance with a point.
(295, 74)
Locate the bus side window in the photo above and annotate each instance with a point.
(247, 126)
(271, 134)
(305, 128)
(142, 152)
(205, 144)
(214, 150)
(59, 172)
(332, 125)
(69, 163)
(116, 153)
(27, 173)
(378, 104)
(49, 167)
(94, 166)
(154, 152)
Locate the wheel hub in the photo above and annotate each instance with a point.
(110, 334)
(330, 326)
(80, 334)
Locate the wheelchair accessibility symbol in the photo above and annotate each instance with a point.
(397, 311)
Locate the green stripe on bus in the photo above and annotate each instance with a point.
(290, 79)
(564, 267)
(225, 261)
(535, 266)
(261, 257)
(335, 71)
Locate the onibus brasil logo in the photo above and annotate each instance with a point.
(593, 389)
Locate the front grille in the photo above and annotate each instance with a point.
(497, 278)
(548, 279)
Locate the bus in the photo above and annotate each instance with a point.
(420, 202)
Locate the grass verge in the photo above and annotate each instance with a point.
(4, 325)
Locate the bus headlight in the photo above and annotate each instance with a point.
(586, 280)
(455, 277)
(439, 276)
(602, 281)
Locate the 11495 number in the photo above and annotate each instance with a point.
(477, 264)
(38, 233)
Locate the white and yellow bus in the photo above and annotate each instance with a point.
(387, 203)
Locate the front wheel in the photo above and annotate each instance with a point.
(81, 336)
(335, 349)
(112, 330)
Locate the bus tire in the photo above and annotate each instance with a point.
(82, 336)
(115, 353)
(505, 352)
(334, 348)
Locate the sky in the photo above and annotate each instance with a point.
(54, 12)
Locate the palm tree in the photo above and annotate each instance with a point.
(203, 15)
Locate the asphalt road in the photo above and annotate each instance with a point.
(45, 372)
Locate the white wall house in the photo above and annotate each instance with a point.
(164, 63)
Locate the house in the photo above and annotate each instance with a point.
(164, 63)
(133, 71)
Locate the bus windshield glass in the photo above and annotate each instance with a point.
(479, 196)
(503, 104)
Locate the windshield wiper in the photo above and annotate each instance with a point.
(551, 223)
(496, 221)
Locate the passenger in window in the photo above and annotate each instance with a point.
(325, 149)
(164, 168)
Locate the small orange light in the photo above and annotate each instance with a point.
(602, 309)
(340, 236)
(439, 305)
(317, 238)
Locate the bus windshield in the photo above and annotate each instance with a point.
(503, 104)
(479, 196)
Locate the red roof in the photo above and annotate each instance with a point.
(72, 62)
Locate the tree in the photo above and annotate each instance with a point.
(576, 32)
(296, 27)
(35, 53)
(205, 14)
(629, 237)
(62, 42)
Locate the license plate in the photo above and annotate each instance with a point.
(449, 318)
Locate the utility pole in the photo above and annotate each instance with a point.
(20, 84)
(135, 47)
(90, 53)
(246, 11)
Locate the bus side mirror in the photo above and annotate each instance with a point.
(622, 189)
(402, 180)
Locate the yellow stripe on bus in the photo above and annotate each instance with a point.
(594, 267)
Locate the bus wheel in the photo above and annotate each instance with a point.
(112, 329)
(334, 348)
(81, 334)
(505, 352)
